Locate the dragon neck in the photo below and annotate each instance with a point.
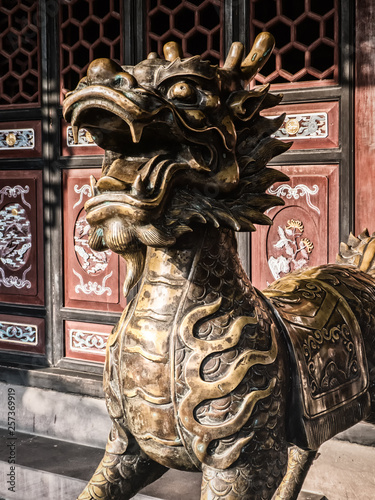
(200, 269)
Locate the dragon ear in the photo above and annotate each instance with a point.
(258, 56)
(172, 50)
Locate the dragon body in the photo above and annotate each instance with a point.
(203, 372)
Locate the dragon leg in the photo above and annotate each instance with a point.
(123, 471)
(242, 482)
(299, 463)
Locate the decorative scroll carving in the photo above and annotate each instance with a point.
(88, 341)
(13, 192)
(92, 286)
(18, 333)
(17, 139)
(303, 126)
(289, 192)
(84, 190)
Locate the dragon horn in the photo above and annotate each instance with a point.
(258, 56)
(172, 50)
(234, 57)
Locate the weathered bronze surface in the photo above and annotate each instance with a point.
(203, 372)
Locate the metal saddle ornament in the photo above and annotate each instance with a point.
(203, 372)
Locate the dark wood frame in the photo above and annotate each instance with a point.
(52, 370)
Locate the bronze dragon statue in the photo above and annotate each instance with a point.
(203, 372)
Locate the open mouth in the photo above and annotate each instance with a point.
(138, 167)
(144, 151)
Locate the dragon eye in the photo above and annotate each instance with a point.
(182, 91)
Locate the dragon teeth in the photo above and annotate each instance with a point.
(93, 183)
(138, 186)
(75, 131)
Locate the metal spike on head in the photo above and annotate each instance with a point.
(258, 56)
(171, 51)
(234, 57)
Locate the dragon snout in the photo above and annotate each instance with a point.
(108, 72)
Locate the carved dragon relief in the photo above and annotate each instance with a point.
(203, 372)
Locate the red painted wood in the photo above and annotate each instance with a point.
(86, 341)
(21, 246)
(23, 153)
(93, 280)
(17, 337)
(311, 198)
(332, 110)
(365, 116)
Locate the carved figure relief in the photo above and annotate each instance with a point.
(295, 248)
(198, 368)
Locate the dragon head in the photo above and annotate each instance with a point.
(184, 143)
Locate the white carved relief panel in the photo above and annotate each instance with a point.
(304, 232)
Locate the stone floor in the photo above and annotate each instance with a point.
(52, 469)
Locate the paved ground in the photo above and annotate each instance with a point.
(48, 469)
(343, 471)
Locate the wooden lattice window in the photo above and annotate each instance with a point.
(89, 29)
(19, 54)
(307, 40)
(197, 25)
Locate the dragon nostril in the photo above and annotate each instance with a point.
(102, 70)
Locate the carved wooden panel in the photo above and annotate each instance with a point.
(86, 341)
(20, 333)
(312, 125)
(21, 243)
(20, 139)
(92, 279)
(307, 41)
(89, 29)
(19, 54)
(196, 25)
(304, 231)
(85, 146)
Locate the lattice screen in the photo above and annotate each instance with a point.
(307, 38)
(19, 55)
(197, 25)
(89, 29)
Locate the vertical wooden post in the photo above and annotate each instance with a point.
(365, 116)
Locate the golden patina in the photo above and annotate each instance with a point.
(203, 372)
